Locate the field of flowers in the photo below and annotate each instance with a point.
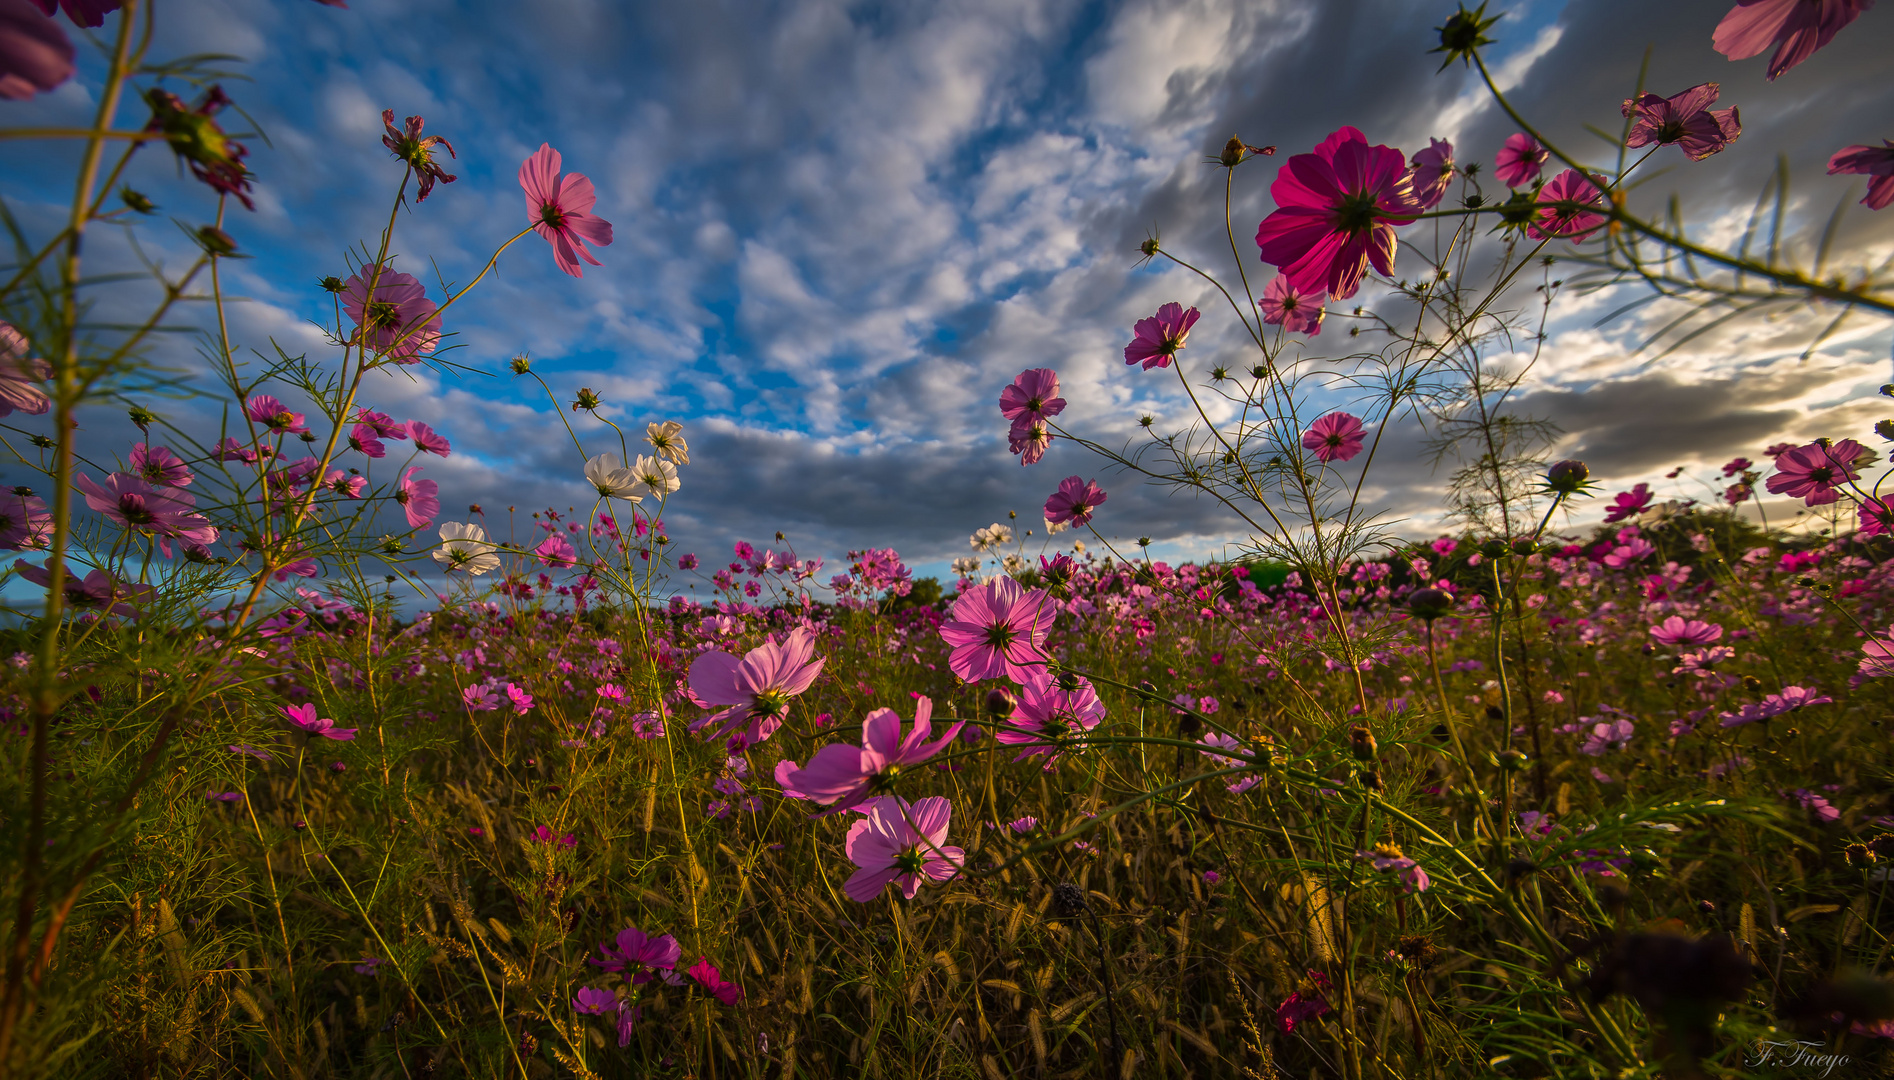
(302, 779)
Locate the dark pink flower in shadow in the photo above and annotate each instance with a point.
(841, 777)
(158, 465)
(1309, 1001)
(1336, 210)
(998, 629)
(35, 54)
(1628, 504)
(1074, 502)
(561, 210)
(267, 410)
(304, 717)
(642, 953)
(1519, 160)
(1797, 28)
(1160, 336)
(1335, 437)
(901, 844)
(97, 591)
(24, 522)
(1686, 121)
(1874, 162)
(757, 688)
(408, 144)
(712, 980)
(1296, 311)
(87, 13)
(1561, 213)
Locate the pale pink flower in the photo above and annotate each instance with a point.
(1877, 660)
(561, 211)
(1679, 631)
(841, 776)
(346, 484)
(265, 409)
(901, 845)
(757, 688)
(426, 439)
(159, 466)
(20, 374)
(1797, 28)
(398, 320)
(1812, 473)
(1433, 173)
(1335, 437)
(1569, 222)
(1029, 441)
(24, 522)
(1336, 210)
(1519, 160)
(1297, 312)
(1160, 336)
(1074, 502)
(1685, 120)
(998, 629)
(1050, 719)
(418, 499)
(1875, 162)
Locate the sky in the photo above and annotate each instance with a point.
(842, 228)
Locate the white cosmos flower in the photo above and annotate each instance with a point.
(607, 473)
(669, 441)
(654, 474)
(964, 567)
(465, 548)
(991, 537)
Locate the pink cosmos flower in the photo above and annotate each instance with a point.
(1570, 222)
(1433, 173)
(35, 54)
(553, 551)
(840, 776)
(381, 424)
(1877, 660)
(1679, 631)
(1051, 718)
(594, 1001)
(304, 717)
(1297, 312)
(1629, 504)
(1518, 162)
(158, 465)
(1074, 502)
(1872, 161)
(408, 144)
(1029, 441)
(1034, 396)
(427, 440)
(1335, 437)
(1735, 465)
(134, 504)
(97, 591)
(1388, 857)
(561, 211)
(1812, 473)
(1309, 1001)
(757, 688)
(1773, 705)
(1685, 120)
(1876, 517)
(901, 844)
(87, 13)
(265, 409)
(1023, 825)
(1608, 735)
(1797, 28)
(418, 499)
(1336, 210)
(24, 522)
(347, 485)
(998, 629)
(517, 696)
(644, 954)
(1160, 336)
(710, 978)
(19, 373)
(398, 321)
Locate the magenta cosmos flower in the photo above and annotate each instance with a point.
(1387, 857)
(1336, 210)
(1795, 27)
(1335, 437)
(1034, 396)
(20, 375)
(1875, 517)
(1519, 160)
(840, 776)
(1685, 120)
(1029, 441)
(1876, 162)
(87, 13)
(561, 210)
(134, 504)
(1160, 336)
(1680, 631)
(398, 321)
(418, 499)
(304, 717)
(267, 410)
(97, 591)
(713, 981)
(1309, 1001)
(642, 953)
(901, 844)
(1628, 504)
(757, 688)
(1074, 502)
(427, 440)
(1433, 172)
(1296, 311)
(998, 629)
(35, 54)
(158, 465)
(1570, 221)
(408, 144)
(1813, 472)
(24, 522)
(1050, 719)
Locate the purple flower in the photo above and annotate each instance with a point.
(1562, 203)
(304, 717)
(1433, 172)
(840, 776)
(1685, 120)
(641, 952)
(1074, 501)
(1876, 162)
(1628, 504)
(593, 1001)
(1519, 160)
(1160, 336)
(426, 439)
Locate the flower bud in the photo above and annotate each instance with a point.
(1567, 477)
(1361, 743)
(215, 241)
(1752, 684)
(586, 400)
(1000, 703)
(1511, 761)
(1523, 546)
(1149, 247)
(332, 284)
(1858, 856)
(1232, 153)
(136, 201)
(521, 364)
(1429, 604)
(1885, 429)
(1494, 549)
(141, 416)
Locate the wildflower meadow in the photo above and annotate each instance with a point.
(306, 774)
